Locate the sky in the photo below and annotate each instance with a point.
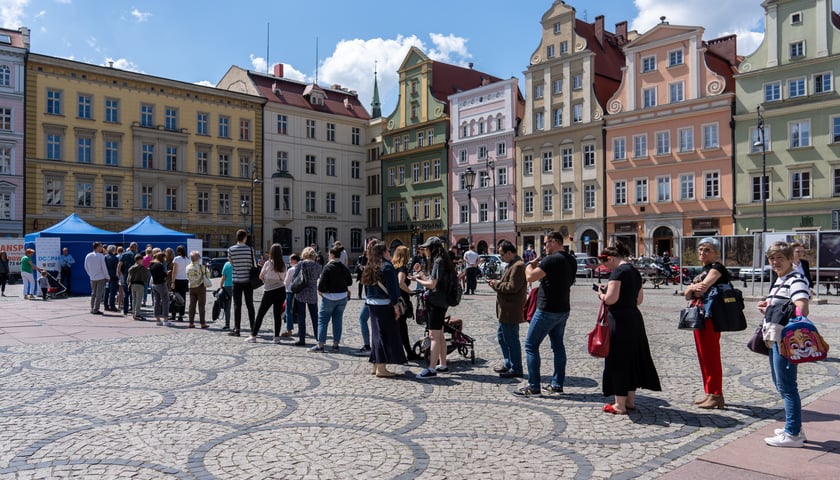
(342, 42)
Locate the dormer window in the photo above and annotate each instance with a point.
(796, 18)
(315, 94)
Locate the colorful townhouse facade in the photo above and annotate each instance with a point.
(483, 127)
(114, 146)
(314, 143)
(574, 70)
(669, 143)
(14, 45)
(415, 162)
(787, 121)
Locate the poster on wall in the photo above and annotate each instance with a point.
(196, 244)
(14, 250)
(47, 253)
(829, 254)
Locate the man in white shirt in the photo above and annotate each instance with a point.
(98, 273)
(471, 259)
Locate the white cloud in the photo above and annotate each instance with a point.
(205, 83)
(449, 48)
(257, 63)
(140, 16)
(742, 17)
(123, 64)
(40, 14)
(66, 2)
(12, 13)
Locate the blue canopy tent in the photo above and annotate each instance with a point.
(77, 236)
(149, 232)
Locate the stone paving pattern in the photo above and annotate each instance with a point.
(157, 402)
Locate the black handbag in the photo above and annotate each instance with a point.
(254, 273)
(299, 282)
(692, 317)
(405, 306)
(780, 313)
(756, 343)
(728, 309)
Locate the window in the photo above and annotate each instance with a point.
(675, 58)
(282, 124)
(330, 166)
(687, 186)
(663, 189)
(502, 176)
(171, 158)
(796, 87)
(356, 136)
(426, 212)
(54, 102)
(712, 185)
(463, 214)
(5, 76)
(112, 110)
(589, 155)
(482, 212)
(53, 146)
(83, 149)
(836, 187)
(557, 117)
(619, 148)
(201, 123)
(330, 132)
(676, 92)
(356, 169)
(202, 164)
(5, 118)
(483, 179)
(415, 172)
(287, 198)
(557, 27)
(500, 123)
(356, 240)
(171, 119)
(464, 131)
(355, 204)
(648, 64)
(401, 175)
(391, 176)
(620, 189)
(310, 235)
(577, 82)
(147, 194)
(755, 140)
(639, 146)
(85, 105)
(330, 202)
(773, 91)
(756, 188)
(426, 171)
(528, 207)
(710, 136)
(539, 121)
(147, 155)
(5, 160)
(462, 157)
(502, 211)
(663, 142)
(171, 198)
(577, 113)
(310, 129)
(147, 115)
(244, 166)
(112, 196)
(224, 203)
(538, 93)
(436, 169)
(224, 126)
(310, 201)
(282, 161)
(822, 83)
(482, 152)
(416, 211)
(649, 97)
(224, 164)
(800, 185)
(548, 200)
(549, 51)
(641, 190)
(567, 198)
(53, 191)
(799, 133)
(686, 135)
(244, 129)
(84, 194)
(589, 197)
(557, 87)
(564, 47)
(797, 49)
(203, 203)
(528, 164)
(835, 129)
(547, 162)
(310, 164)
(796, 18)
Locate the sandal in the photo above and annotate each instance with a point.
(610, 408)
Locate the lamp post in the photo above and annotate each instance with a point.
(761, 142)
(491, 170)
(243, 209)
(469, 181)
(254, 181)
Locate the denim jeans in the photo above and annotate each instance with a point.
(364, 316)
(331, 310)
(784, 378)
(508, 336)
(552, 324)
(300, 316)
(126, 306)
(290, 308)
(111, 289)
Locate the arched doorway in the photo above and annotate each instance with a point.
(589, 243)
(663, 241)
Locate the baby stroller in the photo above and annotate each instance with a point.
(453, 333)
(55, 288)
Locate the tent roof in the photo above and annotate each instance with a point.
(148, 227)
(74, 224)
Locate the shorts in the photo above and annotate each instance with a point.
(435, 316)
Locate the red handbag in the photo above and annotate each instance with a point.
(599, 337)
(530, 305)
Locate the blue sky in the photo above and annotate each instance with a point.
(197, 41)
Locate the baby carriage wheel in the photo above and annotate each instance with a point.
(462, 349)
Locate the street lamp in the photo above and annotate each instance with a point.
(491, 169)
(469, 181)
(254, 181)
(761, 143)
(243, 209)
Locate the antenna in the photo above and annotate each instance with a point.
(267, 42)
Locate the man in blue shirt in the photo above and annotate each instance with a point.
(66, 261)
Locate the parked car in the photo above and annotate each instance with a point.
(755, 274)
(491, 266)
(215, 265)
(601, 271)
(586, 266)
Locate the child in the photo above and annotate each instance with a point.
(45, 285)
(138, 277)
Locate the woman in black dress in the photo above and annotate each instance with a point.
(629, 364)
(381, 294)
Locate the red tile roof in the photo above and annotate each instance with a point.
(722, 59)
(292, 94)
(449, 79)
(835, 19)
(609, 59)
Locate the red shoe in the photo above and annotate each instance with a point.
(609, 408)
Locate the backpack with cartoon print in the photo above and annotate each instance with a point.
(801, 342)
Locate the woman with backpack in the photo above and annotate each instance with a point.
(438, 283)
(790, 286)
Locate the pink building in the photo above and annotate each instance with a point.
(669, 140)
(13, 47)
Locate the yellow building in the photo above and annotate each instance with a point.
(114, 146)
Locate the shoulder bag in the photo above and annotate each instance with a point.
(207, 282)
(599, 338)
(300, 282)
(692, 316)
(780, 313)
(254, 273)
(728, 309)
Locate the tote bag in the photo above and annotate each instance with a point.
(599, 338)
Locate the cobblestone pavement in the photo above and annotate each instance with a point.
(180, 403)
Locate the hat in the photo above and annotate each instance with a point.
(432, 241)
(710, 241)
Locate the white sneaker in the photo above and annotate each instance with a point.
(277, 340)
(780, 431)
(251, 340)
(785, 439)
(169, 324)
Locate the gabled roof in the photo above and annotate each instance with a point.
(609, 59)
(295, 94)
(448, 79)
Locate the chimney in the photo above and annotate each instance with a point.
(25, 37)
(599, 29)
(278, 70)
(621, 32)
